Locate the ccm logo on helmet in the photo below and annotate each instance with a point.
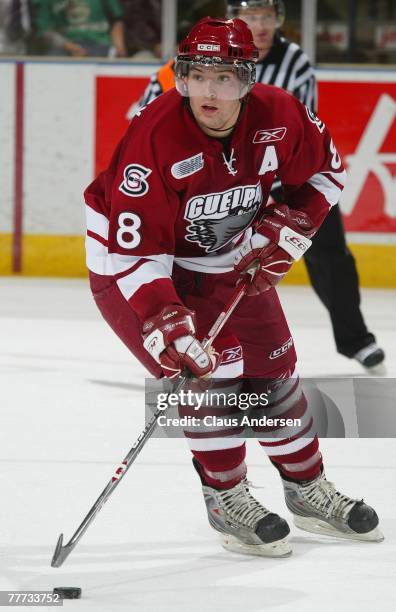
(134, 183)
(207, 47)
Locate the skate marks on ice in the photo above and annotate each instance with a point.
(118, 385)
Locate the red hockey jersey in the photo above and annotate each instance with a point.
(173, 195)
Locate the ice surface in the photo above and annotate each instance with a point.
(71, 408)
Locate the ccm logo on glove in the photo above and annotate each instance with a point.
(282, 237)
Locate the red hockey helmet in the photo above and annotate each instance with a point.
(220, 44)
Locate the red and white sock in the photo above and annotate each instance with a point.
(222, 469)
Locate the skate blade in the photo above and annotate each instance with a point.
(280, 548)
(377, 370)
(317, 526)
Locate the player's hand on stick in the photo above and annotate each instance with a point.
(282, 237)
(169, 337)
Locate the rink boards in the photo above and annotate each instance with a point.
(60, 121)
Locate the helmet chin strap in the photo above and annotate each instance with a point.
(224, 129)
(241, 110)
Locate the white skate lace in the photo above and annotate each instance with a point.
(241, 506)
(323, 496)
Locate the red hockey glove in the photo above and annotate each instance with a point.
(170, 339)
(281, 238)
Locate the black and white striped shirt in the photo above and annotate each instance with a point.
(286, 66)
(153, 90)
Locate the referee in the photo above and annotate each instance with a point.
(330, 263)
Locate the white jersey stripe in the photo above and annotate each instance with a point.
(96, 222)
(100, 261)
(326, 187)
(339, 177)
(145, 274)
(228, 370)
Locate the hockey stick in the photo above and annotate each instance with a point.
(63, 551)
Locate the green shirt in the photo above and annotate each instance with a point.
(78, 20)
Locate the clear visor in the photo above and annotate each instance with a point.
(212, 78)
(258, 13)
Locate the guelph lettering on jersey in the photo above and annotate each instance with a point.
(217, 218)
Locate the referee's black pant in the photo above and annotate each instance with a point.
(332, 271)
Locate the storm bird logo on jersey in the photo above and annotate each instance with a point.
(217, 218)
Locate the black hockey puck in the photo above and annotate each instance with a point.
(67, 592)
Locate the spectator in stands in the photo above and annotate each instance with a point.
(142, 20)
(14, 26)
(4, 22)
(80, 28)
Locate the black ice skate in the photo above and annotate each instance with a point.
(319, 508)
(246, 526)
(371, 356)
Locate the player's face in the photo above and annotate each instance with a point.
(262, 23)
(214, 97)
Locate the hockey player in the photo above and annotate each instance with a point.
(173, 223)
(330, 264)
